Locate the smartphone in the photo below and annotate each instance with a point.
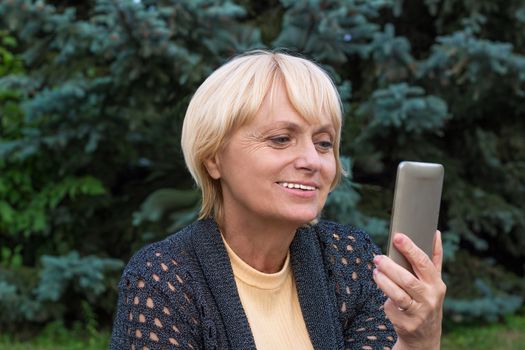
(415, 211)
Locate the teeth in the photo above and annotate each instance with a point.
(298, 186)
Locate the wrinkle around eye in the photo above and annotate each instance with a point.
(253, 142)
(270, 138)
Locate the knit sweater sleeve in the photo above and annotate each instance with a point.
(155, 308)
(359, 300)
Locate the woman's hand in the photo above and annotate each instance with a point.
(415, 303)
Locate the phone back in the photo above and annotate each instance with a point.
(415, 211)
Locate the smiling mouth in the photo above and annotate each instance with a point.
(297, 186)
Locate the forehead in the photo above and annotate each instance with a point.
(277, 107)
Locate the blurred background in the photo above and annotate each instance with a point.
(93, 93)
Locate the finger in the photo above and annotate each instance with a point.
(421, 264)
(401, 277)
(392, 290)
(437, 251)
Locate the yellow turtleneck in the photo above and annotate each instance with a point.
(271, 305)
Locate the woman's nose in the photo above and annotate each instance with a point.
(307, 157)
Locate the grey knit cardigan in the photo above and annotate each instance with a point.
(180, 293)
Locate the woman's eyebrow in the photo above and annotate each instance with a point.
(286, 125)
(291, 126)
(328, 128)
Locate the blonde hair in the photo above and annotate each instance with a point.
(231, 96)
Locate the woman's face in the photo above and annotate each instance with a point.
(277, 167)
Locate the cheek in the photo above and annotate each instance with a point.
(329, 169)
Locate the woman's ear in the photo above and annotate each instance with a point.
(213, 168)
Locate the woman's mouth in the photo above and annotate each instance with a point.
(297, 186)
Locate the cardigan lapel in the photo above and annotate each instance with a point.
(216, 267)
(312, 289)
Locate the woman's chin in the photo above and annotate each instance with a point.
(303, 218)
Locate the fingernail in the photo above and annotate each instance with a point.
(398, 239)
(376, 272)
(377, 259)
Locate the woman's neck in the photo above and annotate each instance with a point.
(262, 245)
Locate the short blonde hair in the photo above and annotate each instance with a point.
(231, 96)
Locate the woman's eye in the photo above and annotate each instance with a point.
(280, 140)
(325, 145)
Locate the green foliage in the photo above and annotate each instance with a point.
(404, 107)
(26, 209)
(329, 29)
(92, 97)
(91, 323)
(17, 303)
(64, 279)
(11, 258)
(489, 307)
(85, 275)
(8, 300)
(9, 62)
(162, 201)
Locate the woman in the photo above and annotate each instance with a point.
(261, 139)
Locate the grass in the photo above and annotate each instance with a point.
(57, 337)
(509, 335)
